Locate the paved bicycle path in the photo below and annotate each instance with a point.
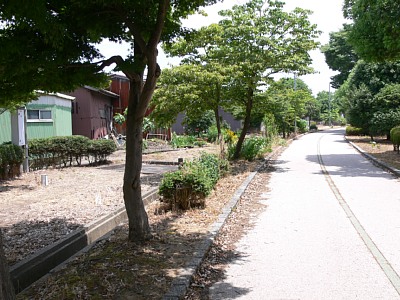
(316, 240)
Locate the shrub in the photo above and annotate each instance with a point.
(350, 130)
(11, 158)
(395, 137)
(193, 182)
(182, 141)
(100, 150)
(302, 126)
(313, 126)
(57, 151)
(252, 148)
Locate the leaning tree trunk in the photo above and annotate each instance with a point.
(246, 124)
(6, 287)
(139, 229)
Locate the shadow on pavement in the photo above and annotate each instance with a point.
(348, 165)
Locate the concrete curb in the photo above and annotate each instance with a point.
(34, 267)
(374, 160)
(180, 285)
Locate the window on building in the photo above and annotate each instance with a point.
(39, 115)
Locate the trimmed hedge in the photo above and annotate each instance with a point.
(11, 158)
(193, 182)
(395, 138)
(63, 150)
(350, 130)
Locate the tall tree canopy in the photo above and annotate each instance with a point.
(340, 55)
(51, 45)
(376, 29)
(256, 40)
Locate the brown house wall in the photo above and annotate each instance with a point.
(86, 118)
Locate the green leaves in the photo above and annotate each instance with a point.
(376, 30)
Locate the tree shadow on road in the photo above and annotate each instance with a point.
(348, 165)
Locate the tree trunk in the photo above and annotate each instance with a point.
(246, 124)
(139, 229)
(6, 287)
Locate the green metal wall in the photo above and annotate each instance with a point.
(5, 127)
(61, 125)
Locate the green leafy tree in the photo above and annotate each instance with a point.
(261, 39)
(374, 75)
(202, 68)
(53, 44)
(339, 55)
(360, 108)
(191, 88)
(255, 40)
(288, 101)
(376, 29)
(387, 110)
(199, 124)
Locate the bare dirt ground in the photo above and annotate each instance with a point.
(117, 269)
(33, 216)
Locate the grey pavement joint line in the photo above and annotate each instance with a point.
(390, 273)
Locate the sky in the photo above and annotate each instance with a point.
(326, 14)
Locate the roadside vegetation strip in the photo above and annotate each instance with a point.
(374, 160)
(181, 284)
(390, 273)
(31, 269)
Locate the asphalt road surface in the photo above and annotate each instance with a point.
(330, 230)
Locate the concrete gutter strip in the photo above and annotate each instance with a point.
(374, 160)
(34, 267)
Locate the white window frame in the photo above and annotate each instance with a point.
(40, 116)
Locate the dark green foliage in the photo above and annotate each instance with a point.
(350, 130)
(199, 124)
(101, 149)
(375, 28)
(11, 158)
(253, 148)
(57, 151)
(313, 126)
(193, 182)
(302, 126)
(339, 55)
(183, 141)
(395, 137)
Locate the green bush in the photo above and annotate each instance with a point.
(100, 150)
(11, 158)
(193, 182)
(395, 137)
(252, 148)
(350, 130)
(313, 126)
(57, 151)
(302, 126)
(182, 141)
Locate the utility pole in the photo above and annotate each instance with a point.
(329, 105)
(295, 113)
